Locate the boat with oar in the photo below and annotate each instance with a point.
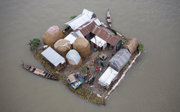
(39, 72)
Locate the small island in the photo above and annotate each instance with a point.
(87, 56)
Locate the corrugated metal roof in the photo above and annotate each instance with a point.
(107, 77)
(52, 56)
(87, 27)
(120, 59)
(106, 35)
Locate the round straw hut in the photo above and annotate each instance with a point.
(82, 45)
(52, 35)
(131, 44)
(62, 46)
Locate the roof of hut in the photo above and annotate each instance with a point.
(131, 44)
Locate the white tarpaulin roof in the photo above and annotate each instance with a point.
(107, 77)
(80, 19)
(98, 41)
(52, 56)
(71, 38)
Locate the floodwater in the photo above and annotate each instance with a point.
(152, 84)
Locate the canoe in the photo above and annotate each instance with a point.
(108, 18)
(39, 72)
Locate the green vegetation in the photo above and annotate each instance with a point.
(72, 17)
(34, 44)
(141, 47)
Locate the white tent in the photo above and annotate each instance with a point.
(80, 19)
(52, 56)
(107, 77)
(99, 42)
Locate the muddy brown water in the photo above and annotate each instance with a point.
(152, 84)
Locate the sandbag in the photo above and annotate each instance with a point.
(82, 45)
(74, 59)
(52, 35)
(62, 46)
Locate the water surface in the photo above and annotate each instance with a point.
(152, 85)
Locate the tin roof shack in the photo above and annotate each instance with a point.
(120, 59)
(54, 58)
(131, 45)
(107, 77)
(84, 17)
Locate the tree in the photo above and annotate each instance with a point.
(34, 44)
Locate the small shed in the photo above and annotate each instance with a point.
(107, 77)
(120, 59)
(131, 44)
(99, 42)
(53, 57)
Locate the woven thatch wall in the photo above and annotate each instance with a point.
(131, 44)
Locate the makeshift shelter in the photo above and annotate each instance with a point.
(80, 19)
(107, 77)
(52, 35)
(74, 58)
(99, 42)
(62, 46)
(131, 44)
(82, 45)
(53, 57)
(120, 59)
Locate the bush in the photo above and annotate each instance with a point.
(141, 47)
(72, 17)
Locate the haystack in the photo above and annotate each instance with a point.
(52, 35)
(74, 59)
(82, 46)
(131, 44)
(62, 46)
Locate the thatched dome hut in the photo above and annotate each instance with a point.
(131, 44)
(52, 35)
(82, 45)
(74, 59)
(62, 46)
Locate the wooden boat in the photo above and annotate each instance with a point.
(39, 72)
(108, 18)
